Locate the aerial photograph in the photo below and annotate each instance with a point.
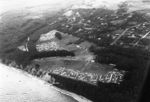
(74, 50)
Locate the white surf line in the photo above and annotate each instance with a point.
(74, 96)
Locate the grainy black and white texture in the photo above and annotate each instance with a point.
(87, 50)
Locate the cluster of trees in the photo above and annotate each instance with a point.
(132, 60)
(100, 23)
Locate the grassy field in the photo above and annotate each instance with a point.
(88, 36)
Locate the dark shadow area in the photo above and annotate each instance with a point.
(58, 53)
(102, 93)
(131, 52)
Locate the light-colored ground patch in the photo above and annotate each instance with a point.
(17, 86)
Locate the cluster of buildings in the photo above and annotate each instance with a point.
(49, 46)
(114, 76)
(93, 27)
